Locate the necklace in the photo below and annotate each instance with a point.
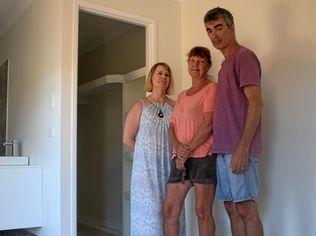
(160, 113)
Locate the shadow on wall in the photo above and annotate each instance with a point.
(288, 94)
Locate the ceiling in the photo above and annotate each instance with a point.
(95, 30)
(10, 10)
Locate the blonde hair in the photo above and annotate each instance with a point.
(149, 85)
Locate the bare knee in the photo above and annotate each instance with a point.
(203, 212)
(247, 209)
(231, 209)
(171, 213)
(167, 210)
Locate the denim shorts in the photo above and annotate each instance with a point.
(197, 170)
(237, 187)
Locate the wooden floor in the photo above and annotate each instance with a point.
(83, 230)
(16, 232)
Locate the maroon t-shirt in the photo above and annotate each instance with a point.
(240, 69)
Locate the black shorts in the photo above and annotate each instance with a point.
(197, 170)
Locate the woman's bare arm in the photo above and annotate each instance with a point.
(132, 125)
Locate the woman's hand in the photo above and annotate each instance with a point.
(180, 161)
(183, 150)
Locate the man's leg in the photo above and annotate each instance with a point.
(224, 193)
(176, 193)
(244, 189)
(204, 197)
(236, 222)
(250, 216)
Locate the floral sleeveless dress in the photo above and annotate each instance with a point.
(150, 171)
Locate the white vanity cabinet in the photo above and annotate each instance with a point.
(20, 197)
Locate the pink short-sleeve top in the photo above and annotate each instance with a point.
(187, 117)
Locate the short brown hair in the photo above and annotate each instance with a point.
(149, 85)
(201, 52)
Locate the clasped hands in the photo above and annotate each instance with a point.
(183, 153)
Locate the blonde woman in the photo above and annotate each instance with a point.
(146, 132)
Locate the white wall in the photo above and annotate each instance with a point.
(282, 35)
(100, 157)
(33, 46)
(121, 55)
(113, 161)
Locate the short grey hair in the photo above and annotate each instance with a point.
(218, 12)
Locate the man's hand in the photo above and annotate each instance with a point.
(240, 160)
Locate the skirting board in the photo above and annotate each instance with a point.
(100, 225)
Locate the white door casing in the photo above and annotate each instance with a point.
(119, 15)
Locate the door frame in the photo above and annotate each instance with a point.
(6, 60)
(151, 54)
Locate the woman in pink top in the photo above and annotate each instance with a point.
(190, 132)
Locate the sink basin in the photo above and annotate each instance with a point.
(14, 161)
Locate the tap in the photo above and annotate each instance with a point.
(15, 147)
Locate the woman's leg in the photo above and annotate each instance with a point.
(176, 193)
(204, 197)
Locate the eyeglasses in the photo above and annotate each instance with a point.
(199, 61)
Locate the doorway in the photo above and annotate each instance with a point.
(112, 61)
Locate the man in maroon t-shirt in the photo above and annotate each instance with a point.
(236, 125)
